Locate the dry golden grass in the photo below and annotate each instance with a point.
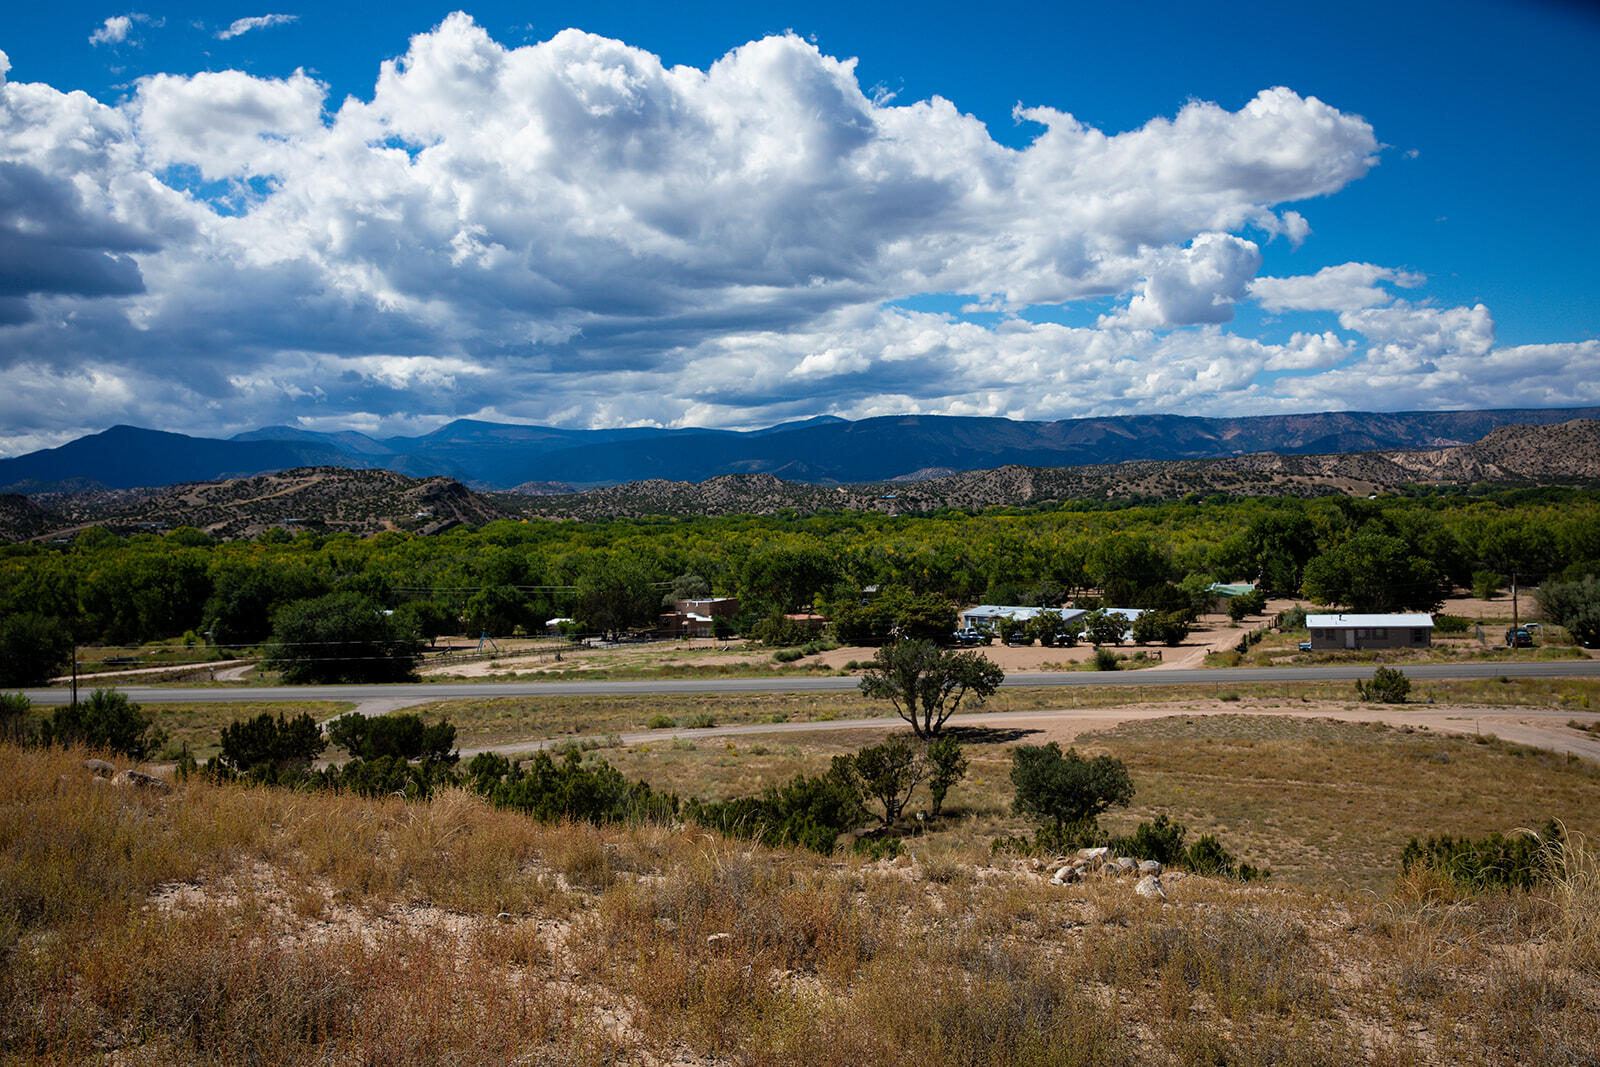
(226, 924)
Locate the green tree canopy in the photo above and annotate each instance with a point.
(108, 719)
(1060, 789)
(926, 683)
(268, 746)
(614, 595)
(341, 637)
(33, 649)
(1375, 572)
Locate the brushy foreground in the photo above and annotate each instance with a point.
(234, 925)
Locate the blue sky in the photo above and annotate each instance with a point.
(1243, 209)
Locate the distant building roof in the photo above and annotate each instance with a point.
(1014, 611)
(1326, 622)
(1231, 589)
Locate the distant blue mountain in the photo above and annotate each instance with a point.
(823, 450)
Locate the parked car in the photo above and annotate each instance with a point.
(1520, 637)
(1305, 646)
(968, 636)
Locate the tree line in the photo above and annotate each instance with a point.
(1394, 553)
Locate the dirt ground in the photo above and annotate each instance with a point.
(1211, 633)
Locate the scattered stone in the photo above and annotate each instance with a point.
(99, 768)
(1092, 854)
(1065, 876)
(719, 942)
(1150, 886)
(1149, 866)
(1125, 865)
(148, 781)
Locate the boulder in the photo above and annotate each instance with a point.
(1149, 866)
(1092, 854)
(99, 768)
(1125, 865)
(1065, 876)
(1150, 886)
(147, 781)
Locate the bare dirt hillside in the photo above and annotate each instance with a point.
(319, 498)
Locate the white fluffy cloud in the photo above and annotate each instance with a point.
(255, 22)
(1345, 287)
(113, 31)
(572, 232)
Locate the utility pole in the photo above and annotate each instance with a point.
(74, 674)
(1516, 622)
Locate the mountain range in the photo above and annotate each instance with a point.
(822, 451)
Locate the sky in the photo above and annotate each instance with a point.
(381, 218)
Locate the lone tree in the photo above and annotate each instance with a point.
(1065, 789)
(926, 683)
(886, 773)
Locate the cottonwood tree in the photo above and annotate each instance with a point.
(926, 683)
(341, 637)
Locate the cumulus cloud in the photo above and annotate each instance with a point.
(1345, 287)
(256, 22)
(573, 232)
(1198, 284)
(113, 31)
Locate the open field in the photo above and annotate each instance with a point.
(222, 924)
(506, 721)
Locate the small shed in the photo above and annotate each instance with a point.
(1370, 631)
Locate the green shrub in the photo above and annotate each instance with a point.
(1292, 618)
(661, 722)
(700, 720)
(1517, 861)
(1246, 604)
(1207, 856)
(571, 789)
(1451, 624)
(108, 719)
(1485, 584)
(779, 631)
(401, 735)
(947, 765)
(16, 718)
(787, 655)
(1388, 686)
(1062, 789)
(1160, 840)
(266, 747)
(1105, 660)
(808, 812)
(877, 848)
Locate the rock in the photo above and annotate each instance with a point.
(1149, 866)
(1150, 886)
(148, 781)
(1126, 865)
(719, 942)
(1065, 876)
(99, 768)
(1092, 854)
(505, 917)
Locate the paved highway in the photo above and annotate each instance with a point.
(405, 695)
